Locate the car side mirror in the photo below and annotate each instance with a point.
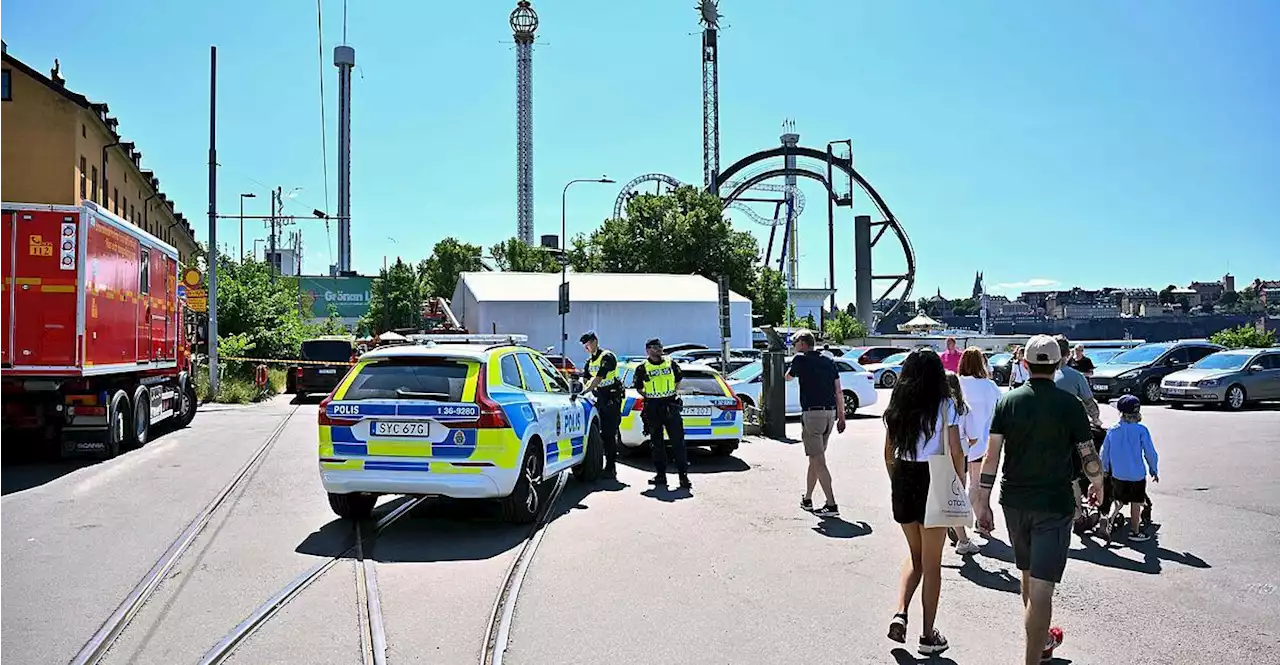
(1255, 368)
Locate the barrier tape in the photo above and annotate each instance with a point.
(287, 362)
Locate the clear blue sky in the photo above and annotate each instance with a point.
(1054, 143)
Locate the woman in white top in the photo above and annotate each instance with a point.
(980, 395)
(1018, 374)
(914, 431)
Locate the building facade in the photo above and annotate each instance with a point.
(1133, 301)
(60, 148)
(1208, 292)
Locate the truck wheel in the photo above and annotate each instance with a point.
(352, 506)
(186, 406)
(592, 464)
(141, 417)
(118, 433)
(524, 502)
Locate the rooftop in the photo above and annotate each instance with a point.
(592, 287)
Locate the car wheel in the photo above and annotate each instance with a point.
(1235, 398)
(1177, 406)
(352, 506)
(888, 380)
(592, 464)
(141, 417)
(725, 449)
(525, 500)
(1150, 392)
(850, 403)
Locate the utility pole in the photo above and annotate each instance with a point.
(271, 237)
(213, 221)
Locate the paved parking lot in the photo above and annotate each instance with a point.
(732, 572)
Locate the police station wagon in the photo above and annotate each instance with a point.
(712, 415)
(465, 421)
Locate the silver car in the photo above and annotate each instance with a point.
(1230, 378)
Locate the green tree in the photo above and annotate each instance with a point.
(965, 306)
(843, 326)
(683, 232)
(515, 256)
(1229, 300)
(1166, 295)
(1244, 337)
(449, 259)
(808, 323)
(396, 302)
(769, 300)
(263, 310)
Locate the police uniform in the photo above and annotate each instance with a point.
(657, 383)
(609, 394)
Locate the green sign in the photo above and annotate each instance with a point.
(349, 295)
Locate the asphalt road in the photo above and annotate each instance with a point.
(732, 572)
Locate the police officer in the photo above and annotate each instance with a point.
(602, 378)
(657, 379)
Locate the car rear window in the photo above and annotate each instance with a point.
(437, 379)
(326, 350)
(701, 383)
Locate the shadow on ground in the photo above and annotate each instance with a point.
(1100, 554)
(701, 460)
(30, 462)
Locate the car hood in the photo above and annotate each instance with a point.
(873, 367)
(1199, 374)
(1111, 371)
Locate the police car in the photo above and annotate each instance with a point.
(712, 415)
(482, 419)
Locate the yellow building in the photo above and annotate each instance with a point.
(58, 147)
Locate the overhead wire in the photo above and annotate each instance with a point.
(324, 124)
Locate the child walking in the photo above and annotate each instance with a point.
(1128, 455)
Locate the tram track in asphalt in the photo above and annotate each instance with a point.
(98, 645)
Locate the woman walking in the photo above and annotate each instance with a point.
(1018, 374)
(980, 395)
(914, 430)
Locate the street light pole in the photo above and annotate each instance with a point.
(249, 195)
(564, 252)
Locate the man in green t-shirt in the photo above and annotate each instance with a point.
(1041, 429)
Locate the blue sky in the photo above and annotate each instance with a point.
(1086, 143)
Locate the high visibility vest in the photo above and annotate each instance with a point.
(610, 379)
(659, 379)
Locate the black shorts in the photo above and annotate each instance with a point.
(1129, 491)
(909, 483)
(1040, 541)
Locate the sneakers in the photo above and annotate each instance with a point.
(829, 510)
(898, 628)
(1139, 537)
(1052, 641)
(685, 483)
(931, 645)
(806, 504)
(967, 547)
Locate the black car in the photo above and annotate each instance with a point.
(325, 361)
(1138, 371)
(868, 355)
(1000, 367)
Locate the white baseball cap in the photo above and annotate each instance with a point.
(1042, 350)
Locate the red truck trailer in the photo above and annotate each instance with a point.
(94, 348)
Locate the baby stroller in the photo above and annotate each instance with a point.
(1089, 518)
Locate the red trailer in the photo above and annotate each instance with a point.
(94, 350)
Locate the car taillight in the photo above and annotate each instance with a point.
(297, 371)
(638, 406)
(491, 414)
(325, 419)
(736, 406)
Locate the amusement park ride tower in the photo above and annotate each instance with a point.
(524, 23)
(710, 19)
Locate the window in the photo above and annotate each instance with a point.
(115, 196)
(326, 350)
(1198, 352)
(83, 134)
(532, 377)
(510, 373)
(6, 81)
(1177, 357)
(133, 214)
(412, 378)
(698, 382)
(93, 183)
(551, 376)
(84, 179)
(144, 279)
(1269, 361)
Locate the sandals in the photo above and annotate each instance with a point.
(898, 628)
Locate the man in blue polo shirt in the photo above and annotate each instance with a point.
(820, 394)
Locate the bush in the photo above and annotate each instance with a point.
(1244, 337)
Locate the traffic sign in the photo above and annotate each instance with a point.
(198, 304)
(182, 290)
(197, 294)
(564, 298)
(192, 277)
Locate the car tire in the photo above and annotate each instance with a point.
(118, 429)
(525, 500)
(186, 405)
(1235, 397)
(352, 506)
(592, 465)
(300, 396)
(725, 449)
(1150, 392)
(850, 403)
(1176, 406)
(141, 419)
(888, 380)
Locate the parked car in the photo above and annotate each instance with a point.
(1000, 367)
(325, 360)
(886, 371)
(712, 416)
(735, 363)
(694, 355)
(1230, 378)
(1138, 371)
(868, 355)
(858, 385)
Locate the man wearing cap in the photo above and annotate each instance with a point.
(658, 381)
(602, 379)
(1041, 430)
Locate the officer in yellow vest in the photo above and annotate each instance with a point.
(602, 378)
(658, 381)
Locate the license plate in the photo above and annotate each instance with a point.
(696, 411)
(328, 371)
(407, 429)
(1099, 386)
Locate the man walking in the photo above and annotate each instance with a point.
(658, 381)
(602, 372)
(1040, 429)
(1072, 380)
(822, 406)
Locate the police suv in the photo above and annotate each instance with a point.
(482, 419)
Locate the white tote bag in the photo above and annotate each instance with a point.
(948, 501)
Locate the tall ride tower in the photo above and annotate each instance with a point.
(524, 22)
(344, 57)
(710, 19)
(790, 139)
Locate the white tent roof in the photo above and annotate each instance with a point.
(592, 287)
(921, 321)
